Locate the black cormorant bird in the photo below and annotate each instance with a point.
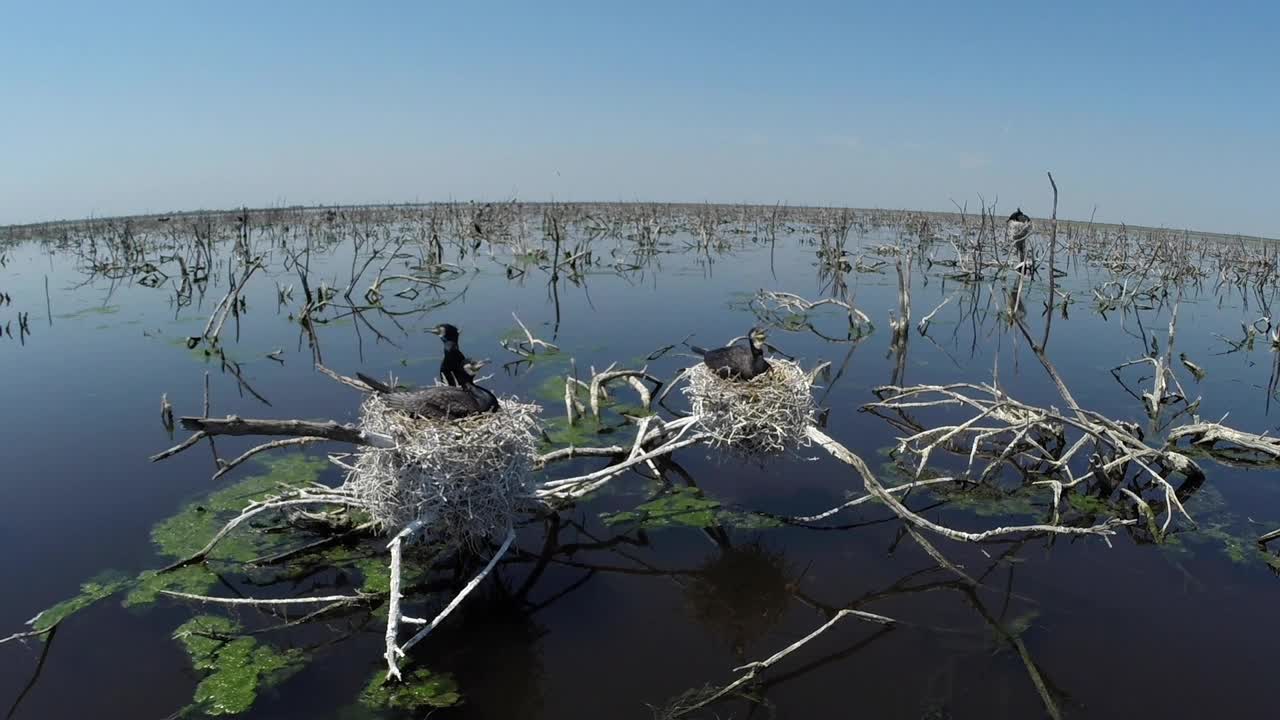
(441, 402)
(735, 361)
(451, 369)
(1017, 228)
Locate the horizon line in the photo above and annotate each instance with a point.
(427, 203)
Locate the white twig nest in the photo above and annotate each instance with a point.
(764, 415)
(466, 479)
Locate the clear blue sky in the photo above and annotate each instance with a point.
(1158, 113)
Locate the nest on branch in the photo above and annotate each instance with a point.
(465, 479)
(765, 415)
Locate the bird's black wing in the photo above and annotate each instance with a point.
(440, 402)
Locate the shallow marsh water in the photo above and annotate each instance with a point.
(639, 608)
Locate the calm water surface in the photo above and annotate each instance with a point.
(631, 618)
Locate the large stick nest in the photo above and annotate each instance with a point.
(765, 415)
(465, 479)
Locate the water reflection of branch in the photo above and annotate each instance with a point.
(35, 675)
(237, 373)
(753, 669)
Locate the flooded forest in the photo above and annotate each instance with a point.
(991, 465)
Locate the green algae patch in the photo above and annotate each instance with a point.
(1088, 504)
(376, 570)
(686, 507)
(90, 312)
(237, 666)
(377, 574)
(100, 588)
(1238, 548)
(188, 531)
(195, 579)
(991, 501)
(561, 434)
(552, 390)
(419, 690)
(192, 527)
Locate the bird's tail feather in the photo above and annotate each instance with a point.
(377, 385)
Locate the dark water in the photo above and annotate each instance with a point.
(628, 620)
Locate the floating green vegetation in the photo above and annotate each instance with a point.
(587, 429)
(418, 690)
(1219, 530)
(1238, 547)
(541, 356)
(1088, 504)
(377, 573)
(686, 507)
(146, 588)
(101, 587)
(549, 359)
(90, 312)
(1207, 500)
(986, 500)
(1018, 626)
(903, 474)
(551, 389)
(793, 322)
(188, 531)
(237, 666)
(635, 410)
(1239, 550)
(193, 526)
(584, 432)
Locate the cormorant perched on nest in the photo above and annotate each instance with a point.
(442, 402)
(451, 368)
(735, 361)
(1017, 228)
